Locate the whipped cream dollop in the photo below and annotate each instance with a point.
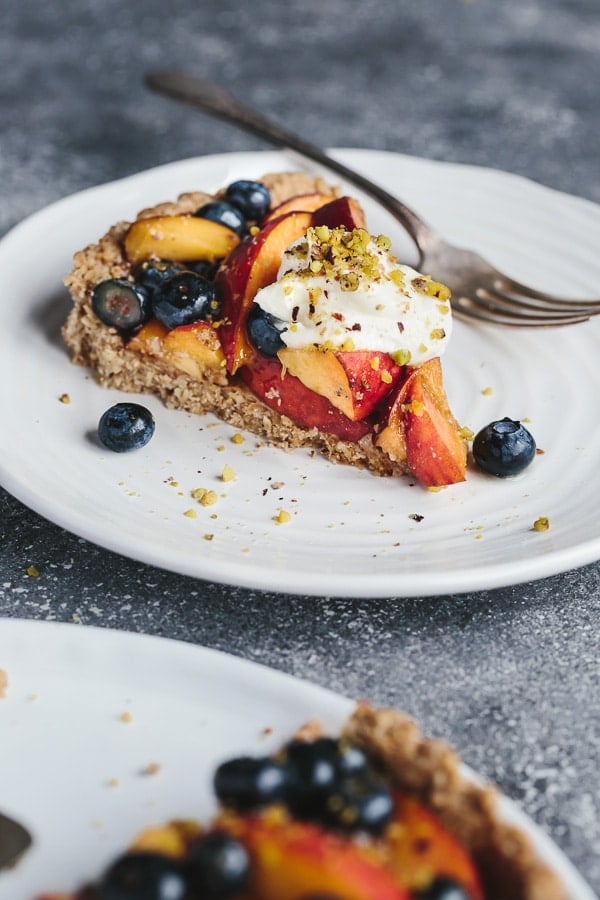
(344, 290)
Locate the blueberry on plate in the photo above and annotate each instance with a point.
(185, 298)
(151, 273)
(217, 866)
(126, 426)
(143, 876)
(251, 198)
(121, 304)
(247, 782)
(225, 214)
(503, 448)
(313, 773)
(264, 331)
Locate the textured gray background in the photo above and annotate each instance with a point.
(509, 676)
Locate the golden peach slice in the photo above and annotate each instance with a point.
(193, 349)
(179, 238)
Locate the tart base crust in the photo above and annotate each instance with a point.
(432, 771)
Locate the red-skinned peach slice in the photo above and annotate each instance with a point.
(193, 348)
(290, 860)
(354, 381)
(252, 265)
(421, 848)
(289, 397)
(298, 203)
(180, 238)
(343, 212)
(420, 420)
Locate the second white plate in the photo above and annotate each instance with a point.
(77, 775)
(350, 533)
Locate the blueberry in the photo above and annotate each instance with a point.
(121, 304)
(443, 889)
(251, 198)
(246, 782)
(185, 298)
(360, 803)
(152, 272)
(351, 759)
(225, 214)
(313, 768)
(264, 331)
(142, 876)
(126, 426)
(217, 866)
(503, 448)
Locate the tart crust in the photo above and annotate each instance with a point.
(432, 771)
(102, 349)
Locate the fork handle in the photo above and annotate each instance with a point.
(220, 103)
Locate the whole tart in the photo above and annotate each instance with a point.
(378, 407)
(398, 820)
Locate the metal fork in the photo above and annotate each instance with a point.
(479, 291)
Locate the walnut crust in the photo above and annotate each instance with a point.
(431, 770)
(102, 349)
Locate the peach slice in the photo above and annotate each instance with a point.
(252, 265)
(420, 848)
(418, 424)
(291, 860)
(180, 238)
(287, 395)
(298, 203)
(193, 348)
(149, 339)
(343, 212)
(354, 381)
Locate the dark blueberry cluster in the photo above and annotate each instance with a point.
(503, 448)
(215, 867)
(326, 781)
(179, 293)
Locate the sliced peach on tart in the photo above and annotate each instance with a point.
(342, 212)
(193, 348)
(354, 381)
(182, 238)
(419, 422)
(290, 859)
(252, 265)
(298, 203)
(286, 394)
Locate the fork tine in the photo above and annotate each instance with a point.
(515, 289)
(498, 300)
(491, 308)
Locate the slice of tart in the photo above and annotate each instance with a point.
(378, 813)
(273, 307)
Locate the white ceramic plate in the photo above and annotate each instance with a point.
(73, 771)
(350, 533)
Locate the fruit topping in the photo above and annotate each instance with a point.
(225, 214)
(217, 866)
(143, 876)
(504, 448)
(251, 197)
(126, 426)
(251, 266)
(152, 272)
(299, 203)
(185, 298)
(121, 304)
(264, 331)
(179, 238)
(247, 782)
